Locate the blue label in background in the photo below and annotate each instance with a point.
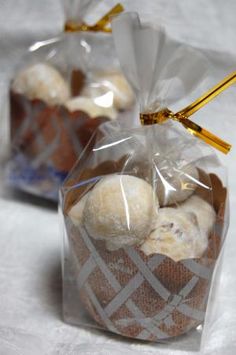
(44, 181)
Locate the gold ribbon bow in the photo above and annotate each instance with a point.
(182, 116)
(100, 26)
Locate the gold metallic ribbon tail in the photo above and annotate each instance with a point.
(182, 115)
(100, 26)
(205, 135)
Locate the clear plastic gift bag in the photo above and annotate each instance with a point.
(62, 90)
(145, 211)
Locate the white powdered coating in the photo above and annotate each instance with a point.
(205, 213)
(123, 97)
(76, 211)
(42, 81)
(177, 185)
(120, 210)
(176, 235)
(88, 105)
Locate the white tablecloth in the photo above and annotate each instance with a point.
(30, 242)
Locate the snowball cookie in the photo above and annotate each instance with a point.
(176, 235)
(76, 211)
(120, 210)
(44, 82)
(175, 185)
(113, 81)
(205, 213)
(88, 105)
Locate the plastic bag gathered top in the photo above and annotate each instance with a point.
(145, 211)
(63, 89)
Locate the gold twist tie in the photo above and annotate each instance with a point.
(100, 26)
(182, 116)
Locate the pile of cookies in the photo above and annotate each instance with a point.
(107, 93)
(53, 117)
(125, 210)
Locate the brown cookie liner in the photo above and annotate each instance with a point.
(51, 134)
(138, 296)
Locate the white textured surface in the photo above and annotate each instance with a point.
(126, 221)
(44, 82)
(177, 234)
(30, 278)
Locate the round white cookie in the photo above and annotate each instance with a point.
(76, 211)
(205, 213)
(176, 185)
(176, 235)
(42, 81)
(120, 210)
(88, 105)
(115, 82)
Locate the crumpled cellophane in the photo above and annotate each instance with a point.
(62, 89)
(145, 211)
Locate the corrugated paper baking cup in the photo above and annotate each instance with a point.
(46, 142)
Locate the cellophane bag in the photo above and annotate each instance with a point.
(145, 211)
(62, 90)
